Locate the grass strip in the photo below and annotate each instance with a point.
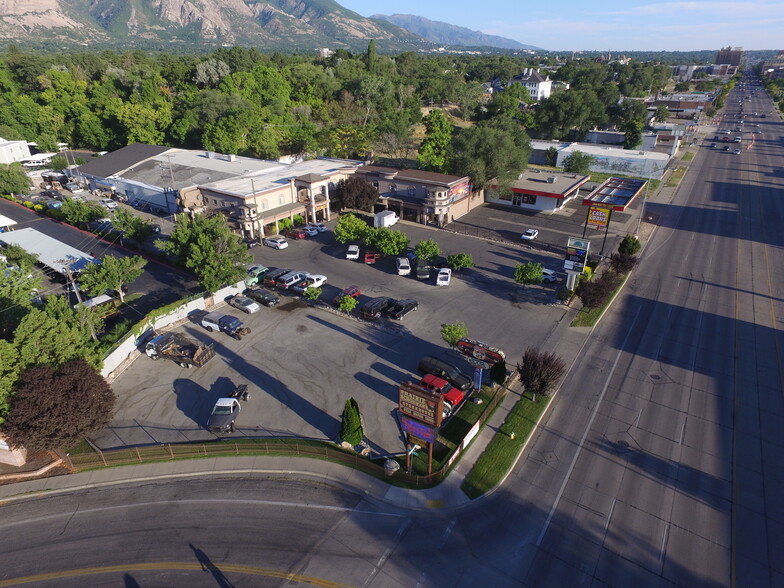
(500, 455)
(676, 177)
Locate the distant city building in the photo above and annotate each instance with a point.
(729, 56)
(774, 68)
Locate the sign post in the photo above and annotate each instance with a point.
(576, 258)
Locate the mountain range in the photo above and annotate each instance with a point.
(446, 34)
(188, 25)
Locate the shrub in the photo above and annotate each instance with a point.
(285, 224)
(347, 304)
(460, 261)
(312, 293)
(622, 263)
(587, 273)
(629, 246)
(28, 204)
(596, 293)
(564, 294)
(351, 423)
(299, 220)
(451, 334)
(540, 371)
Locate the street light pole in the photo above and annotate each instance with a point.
(644, 199)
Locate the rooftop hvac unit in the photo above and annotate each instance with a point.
(232, 157)
(551, 179)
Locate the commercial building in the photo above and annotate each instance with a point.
(537, 190)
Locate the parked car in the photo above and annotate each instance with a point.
(352, 291)
(352, 252)
(320, 227)
(224, 413)
(446, 370)
(255, 273)
(271, 276)
(403, 266)
(311, 231)
(530, 235)
(400, 308)
(286, 281)
(449, 392)
(296, 234)
(375, 307)
(371, 257)
(444, 277)
(262, 296)
(108, 203)
(250, 242)
(244, 304)
(549, 276)
(276, 242)
(422, 271)
(310, 281)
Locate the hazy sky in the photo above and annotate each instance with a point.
(609, 24)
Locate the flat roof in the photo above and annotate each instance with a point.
(615, 193)
(6, 222)
(546, 183)
(51, 252)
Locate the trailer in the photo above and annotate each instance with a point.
(179, 349)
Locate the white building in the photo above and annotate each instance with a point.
(11, 151)
(538, 86)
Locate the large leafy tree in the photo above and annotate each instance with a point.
(351, 228)
(131, 226)
(13, 179)
(528, 273)
(357, 193)
(9, 373)
(427, 250)
(17, 288)
(578, 163)
(632, 134)
(433, 150)
(112, 274)
(54, 408)
(53, 335)
(206, 246)
(387, 241)
(452, 333)
(493, 149)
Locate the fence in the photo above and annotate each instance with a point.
(273, 447)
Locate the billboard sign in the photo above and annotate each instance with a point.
(420, 403)
(576, 254)
(418, 429)
(598, 217)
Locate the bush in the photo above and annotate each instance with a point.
(564, 294)
(587, 273)
(347, 304)
(629, 246)
(622, 263)
(540, 371)
(312, 293)
(597, 293)
(351, 423)
(285, 224)
(299, 220)
(460, 261)
(498, 372)
(451, 334)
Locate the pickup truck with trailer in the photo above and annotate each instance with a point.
(179, 349)
(225, 323)
(225, 411)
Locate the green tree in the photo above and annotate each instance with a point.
(351, 423)
(632, 134)
(578, 162)
(16, 255)
(53, 408)
(460, 261)
(9, 373)
(551, 156)
(433, 150)
(662, 113)
(112, 274)
(80, 214)
(13, 179)
(452, 333)
(17, 287)
(347, 304)
(540, 372)
(356, 193)
(630, 245)
(427, 250)
(528, 273)
(351, 228)
(387, 241)
(53, 335)
(312, 293)
(206, 246)
(131, 226)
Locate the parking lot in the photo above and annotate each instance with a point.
(301, 363)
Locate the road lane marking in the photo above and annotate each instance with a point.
(587, 429)
(386, 554)
(168, 566)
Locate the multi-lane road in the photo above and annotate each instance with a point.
(660, 463)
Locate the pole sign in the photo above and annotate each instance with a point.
(598, 217)
(420, 403)
(477, 378)
(576, 254)
(419, 430)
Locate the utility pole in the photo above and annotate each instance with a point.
(83, 310)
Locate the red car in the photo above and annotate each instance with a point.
(371, 256)
(435, 384)
(296, 234)
(352, 291)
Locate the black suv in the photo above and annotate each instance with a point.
(375, 307)
(401, 308)
(262, 296)
(422, 271)
(444, 369)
